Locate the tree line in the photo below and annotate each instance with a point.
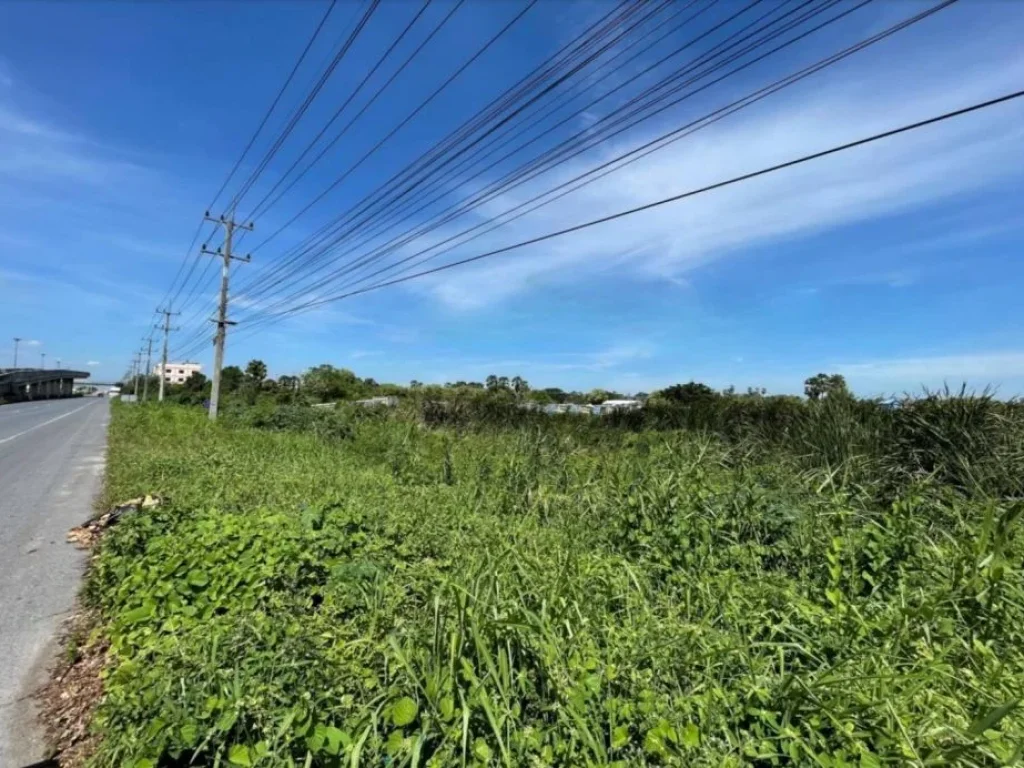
(327, 383)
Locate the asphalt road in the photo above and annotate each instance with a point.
(51, 463)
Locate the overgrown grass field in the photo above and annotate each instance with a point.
(378, 592)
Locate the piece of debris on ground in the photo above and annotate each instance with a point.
(85, 536)
(68, 701)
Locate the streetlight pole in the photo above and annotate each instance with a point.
(16, 340)
(42, 357)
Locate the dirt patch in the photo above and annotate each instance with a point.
(67, 702)
(86, 535)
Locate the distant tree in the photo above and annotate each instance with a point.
(555, 394)
(729, 391)
(256, 371)
(474, 385)
(641, 396)
(756, 391)
(326, 383)
(288, 382)
(492, 382)
(688, 393)
(231, 378)
(196, 382)
(369, 383)
(824, 385)
(597, 396)
(539, 396)
(503, 383)
(520, 386)
(415, 384)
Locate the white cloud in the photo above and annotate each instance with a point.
(361, 353)
(93, 363)
(37, 150)
(612, 357)
(30, 343)
(870, 95)
(983, 366)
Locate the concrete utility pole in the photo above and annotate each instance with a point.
(222, 313)
(163, 357)
(149, 366)
(58, 363)
(42, 360)
(136, 362)
(16, 340)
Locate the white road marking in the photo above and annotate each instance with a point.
(37, 426)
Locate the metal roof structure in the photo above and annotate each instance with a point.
(39, 380)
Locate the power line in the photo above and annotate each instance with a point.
(301, 111)
(275, 147)
(207, 272)
(703, 57)
(676, 198)
(498, 186)
(590, 138)
(490, 111)
(258, 208)
(528, 81)
(526, 174)
(273, 104)
(549, 87)
(241, 157)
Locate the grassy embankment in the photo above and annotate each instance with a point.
(386, 594)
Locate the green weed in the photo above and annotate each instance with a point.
(553, 595)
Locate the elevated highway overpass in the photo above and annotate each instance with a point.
(38, 383)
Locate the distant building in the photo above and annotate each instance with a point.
(620, 405)
(388, 401)
(573, 408)
(177, 373)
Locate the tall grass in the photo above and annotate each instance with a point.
(558, 594)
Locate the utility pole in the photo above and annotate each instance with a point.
(58, 363)
(42, 360)
(16, 340)
(163, 357)
(135, 375)
(149, 365)
(222, 313)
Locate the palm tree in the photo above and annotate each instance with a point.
(256, 370)
(519, 386)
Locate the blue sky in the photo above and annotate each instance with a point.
(898, 265)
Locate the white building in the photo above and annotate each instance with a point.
(177, 373)
(389, 401)
(608, 406)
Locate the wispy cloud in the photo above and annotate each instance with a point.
(601, 360)
(983, 366)
(359, 354)
(36, 150)
(6, 78)
(93, 363)
(899, 175)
